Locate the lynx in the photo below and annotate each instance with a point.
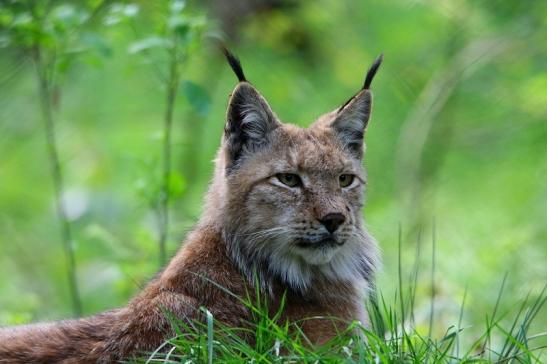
(283, 212)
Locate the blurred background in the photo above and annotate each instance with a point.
(456, 149)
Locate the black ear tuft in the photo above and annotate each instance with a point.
(235, 64)
(368, 79)
(372, 71)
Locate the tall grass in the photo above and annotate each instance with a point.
(391, 337)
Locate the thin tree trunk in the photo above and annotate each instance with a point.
(44, 88)
(172, 88)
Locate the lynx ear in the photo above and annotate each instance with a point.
(352, 118)
(249, 120)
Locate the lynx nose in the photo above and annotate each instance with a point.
(332, 221)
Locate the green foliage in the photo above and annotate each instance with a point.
(59, 29)
(177, 35)
(389, 339)
(43, 32)
(176, 32)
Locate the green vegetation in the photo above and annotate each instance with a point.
(456, 147)
(391, 337)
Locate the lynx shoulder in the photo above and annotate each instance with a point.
(283, 210)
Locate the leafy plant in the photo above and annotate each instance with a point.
(167, 48)
(52, 35)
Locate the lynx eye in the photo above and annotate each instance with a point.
(346, 180)
(289, 179)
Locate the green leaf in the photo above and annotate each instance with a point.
(148, 43)
(96, 42)
(63, 19)
(130, 10)
(63, 63)
(6, 17)
(120, 12)
(178, 23)
(197, 97)
(22, 20)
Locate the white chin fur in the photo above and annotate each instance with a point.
(317, 256)
(298, 267)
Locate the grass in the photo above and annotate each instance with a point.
(387, 340)
(392, 336)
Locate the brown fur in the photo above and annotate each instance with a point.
(243, 200)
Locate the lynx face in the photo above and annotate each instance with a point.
(293, 196)
(306, 201)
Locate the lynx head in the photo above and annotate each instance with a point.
(289, 199)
